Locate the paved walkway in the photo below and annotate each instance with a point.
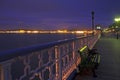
(109, 68)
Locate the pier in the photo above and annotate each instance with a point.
(57, 39)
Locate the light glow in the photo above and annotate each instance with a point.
(81, 32)
(21, 31)
(62, 31)
(117, 19)
(35, 31)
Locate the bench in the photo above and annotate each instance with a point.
(87, 59)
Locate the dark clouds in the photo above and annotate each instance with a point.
(42, 13)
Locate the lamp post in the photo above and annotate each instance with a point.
(117, 20)
(93, 21)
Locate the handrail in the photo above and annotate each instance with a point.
(6, 55)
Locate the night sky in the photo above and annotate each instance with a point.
(56, 14)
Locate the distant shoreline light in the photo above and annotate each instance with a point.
(21, 31)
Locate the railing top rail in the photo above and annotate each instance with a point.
(9, 54)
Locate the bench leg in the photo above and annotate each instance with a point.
(93, 71)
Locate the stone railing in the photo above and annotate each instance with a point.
(51, 61)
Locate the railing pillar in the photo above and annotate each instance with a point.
(74, 54)
(5, 70)
(73, 47)
(1, 73)
(76, 61)
(58, 64)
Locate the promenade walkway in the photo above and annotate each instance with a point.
(109, 69)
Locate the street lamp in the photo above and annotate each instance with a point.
(93, 21)
(117, 20)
